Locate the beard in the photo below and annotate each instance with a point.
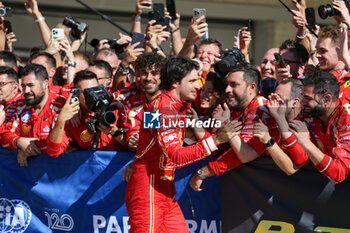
(239, 101)
(317, 111)
(35, 100)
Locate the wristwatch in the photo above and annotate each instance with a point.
(157, 48)
(72, 64)
(270, 143)
(123, 69)
(200, 173)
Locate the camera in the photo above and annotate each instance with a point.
(328, 10)
(5, 11)
(119, 49)
(76, 27)
(99, 101)
(229, 58)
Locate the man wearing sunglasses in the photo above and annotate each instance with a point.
(295, 57)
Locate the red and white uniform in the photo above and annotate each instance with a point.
(334, 143)
(131, 116)
(150, 192)
(10, 106)
(26, 123)
(80, 136)
(64, 90)
(252, 113)
(125, 92)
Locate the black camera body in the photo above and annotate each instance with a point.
(99, 101)
(328, 10)
(5, 11)
(76, 27)
(229, 58)
(119, 49)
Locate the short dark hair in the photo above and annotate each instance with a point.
(104, 66)
(11, 73)
(324, 83)
(175, 69)
(9, 58)
(298, 49)
(210, 41)
(296, 90)
(51, 61)
(39, 71)
(250, 74)
(83, 75)
(148, 60)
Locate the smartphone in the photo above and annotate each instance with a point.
(310, 17)
(153, 15)
(165, 21)
(170, 5)
(75, 95)
(159, 7)
(249, 25)
(238, 40)
(138, 37)
(7, 24)
(279, 59)
(57, 33)
(198, 12)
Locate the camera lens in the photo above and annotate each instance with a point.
(2, 11)
(109, 118)
(325, 11)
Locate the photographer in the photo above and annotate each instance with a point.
(63, 134)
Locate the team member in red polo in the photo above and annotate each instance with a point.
(34, 119)
(150, 192)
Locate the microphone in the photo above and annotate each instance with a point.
(115, 106)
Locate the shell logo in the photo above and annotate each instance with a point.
(85, 136)
(25, 129)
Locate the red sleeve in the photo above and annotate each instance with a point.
(10, 133)
(337, 166)
(55, 149)
(228, 160)
(294, 150)
(132, 120)
(170, 141)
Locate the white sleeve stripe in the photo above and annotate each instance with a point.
(211, 144)
(290, 143)
(206, 147)
(329, 162)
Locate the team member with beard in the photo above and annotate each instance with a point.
(329, 127)
(247, 107)
(150, 194)
(34, 119)
(147, 70)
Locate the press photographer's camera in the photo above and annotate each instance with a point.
(77, 28)
(328, 10)
(99, 101)
(112, 42)
(229, 58)
(5, 11)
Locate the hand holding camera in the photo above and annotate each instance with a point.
(69, 110)
(344, 16)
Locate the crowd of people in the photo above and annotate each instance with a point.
(295, 110)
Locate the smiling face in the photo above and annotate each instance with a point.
(150, 80)
(327, 54)
(236, 90)
(268, 64)
(312, 103)
(207, 96)
(207, 54)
